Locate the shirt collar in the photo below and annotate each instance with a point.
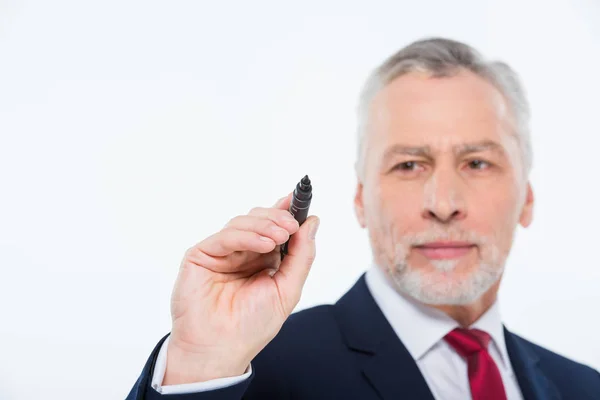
(420, 327)
(491, 323)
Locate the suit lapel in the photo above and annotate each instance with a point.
(385, 362)
(390, 369)
(533, 383)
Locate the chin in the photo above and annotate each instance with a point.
(444, 283)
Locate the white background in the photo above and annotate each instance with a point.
(131, 130)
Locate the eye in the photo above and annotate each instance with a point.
(478, 164)
(406, 166)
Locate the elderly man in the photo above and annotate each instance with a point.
(442, 182)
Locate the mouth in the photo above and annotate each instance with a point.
(444, 250)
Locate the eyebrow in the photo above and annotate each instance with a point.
(459, 150)
(484, 145)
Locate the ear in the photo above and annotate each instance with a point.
(359, 208)
(527, 212)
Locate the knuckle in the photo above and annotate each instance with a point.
(224, 233)
(274, 231)
(239, 241)
(281, 213)
(254, 210)
(268, 226)
(279, 218)
(194, 256)
(188, 253)
(233, 221)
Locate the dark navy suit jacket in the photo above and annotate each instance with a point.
(349, 351)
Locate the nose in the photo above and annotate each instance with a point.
(443, 198)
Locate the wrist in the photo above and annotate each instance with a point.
(189, 367)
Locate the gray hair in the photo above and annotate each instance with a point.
(442, 57)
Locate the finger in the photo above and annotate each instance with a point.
(284, 202)
(236, 262)
(277, 228)
(281, 217)
(294, 269)
(228, 241)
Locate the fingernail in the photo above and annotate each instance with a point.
(313, 230)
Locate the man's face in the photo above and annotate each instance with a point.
(443, 186)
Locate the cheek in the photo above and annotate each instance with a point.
(495, 208)
(397, 204)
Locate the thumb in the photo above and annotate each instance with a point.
(294, 268)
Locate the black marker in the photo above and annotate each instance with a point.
(299, 206)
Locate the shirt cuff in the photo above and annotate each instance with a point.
(186, 388)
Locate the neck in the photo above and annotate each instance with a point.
(467, 314)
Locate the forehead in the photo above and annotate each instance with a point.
(418, 109)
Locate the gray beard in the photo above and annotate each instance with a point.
(442, 286)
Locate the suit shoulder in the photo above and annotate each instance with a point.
(304, 355)
(313, 331)
(309, 316)
(554, 361)
(312, 324)
(308, 340)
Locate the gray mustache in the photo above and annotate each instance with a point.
(422, 238)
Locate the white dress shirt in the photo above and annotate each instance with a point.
(161, 367)
(420, 328)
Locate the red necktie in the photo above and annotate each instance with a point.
(484, 376)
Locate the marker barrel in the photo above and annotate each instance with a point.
(299, 205)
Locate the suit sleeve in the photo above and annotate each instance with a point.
(143, 390)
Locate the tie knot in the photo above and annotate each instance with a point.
(467, 342)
